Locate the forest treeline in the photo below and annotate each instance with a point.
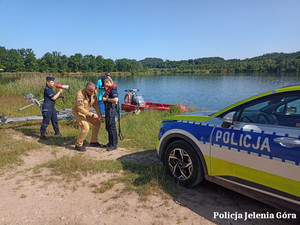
(24, 60)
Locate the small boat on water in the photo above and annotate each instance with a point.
(135, 103)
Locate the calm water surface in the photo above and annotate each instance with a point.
(203, 91)
(211, 92)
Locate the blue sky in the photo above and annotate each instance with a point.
(167, 29)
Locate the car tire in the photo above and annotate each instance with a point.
(183, 163)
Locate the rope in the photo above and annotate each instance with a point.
(119, 118)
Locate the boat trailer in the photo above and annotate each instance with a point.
(61, 114)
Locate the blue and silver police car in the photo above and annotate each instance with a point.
(252, 147)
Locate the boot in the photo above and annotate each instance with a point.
(43, 137)
(80, 148)
(97, 144)
(57, 133)
(111, 148)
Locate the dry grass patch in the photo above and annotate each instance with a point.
(12, 150)
(141, 179)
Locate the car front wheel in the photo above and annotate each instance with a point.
(183, 163)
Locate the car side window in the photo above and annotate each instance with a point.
(289, 114)
(258, 112)
(283, 110)
(291, 108)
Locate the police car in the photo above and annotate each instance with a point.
(252, 147)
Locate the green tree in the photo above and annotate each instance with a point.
(30, 62)
(43, 66)
(15, 62)
(99, 63)
(123, 65)
(48, 62)
(152, 62)
(89, 63)
(63, 64)
(75, 62)
(108, 65)
(3, 58)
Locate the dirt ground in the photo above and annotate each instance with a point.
(28, 198)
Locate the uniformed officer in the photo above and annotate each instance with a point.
(110, 100)
(84, 100)
(48, 108)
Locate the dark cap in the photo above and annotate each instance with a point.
(105, 77)
(50, 78)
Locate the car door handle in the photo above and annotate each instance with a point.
(287, 142)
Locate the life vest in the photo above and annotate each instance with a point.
(109, 89)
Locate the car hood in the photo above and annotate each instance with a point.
(200, 116)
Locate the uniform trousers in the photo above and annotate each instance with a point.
(83, 122)
(49, 113)
(110, 125)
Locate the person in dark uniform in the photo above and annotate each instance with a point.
(48, 108)
(110, 99)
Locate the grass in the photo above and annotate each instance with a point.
(35, 84)
(12, 150)
(144, 180)
(70, 166)
(139, 131)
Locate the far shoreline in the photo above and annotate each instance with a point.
(158, 72)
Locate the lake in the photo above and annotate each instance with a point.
(203, 91)
(213, 91)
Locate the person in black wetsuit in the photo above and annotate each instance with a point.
(48, 108)
(110, 99)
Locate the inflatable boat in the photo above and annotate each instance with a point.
(134, 103)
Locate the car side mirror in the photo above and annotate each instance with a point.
(291, 110)
(228, 119)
